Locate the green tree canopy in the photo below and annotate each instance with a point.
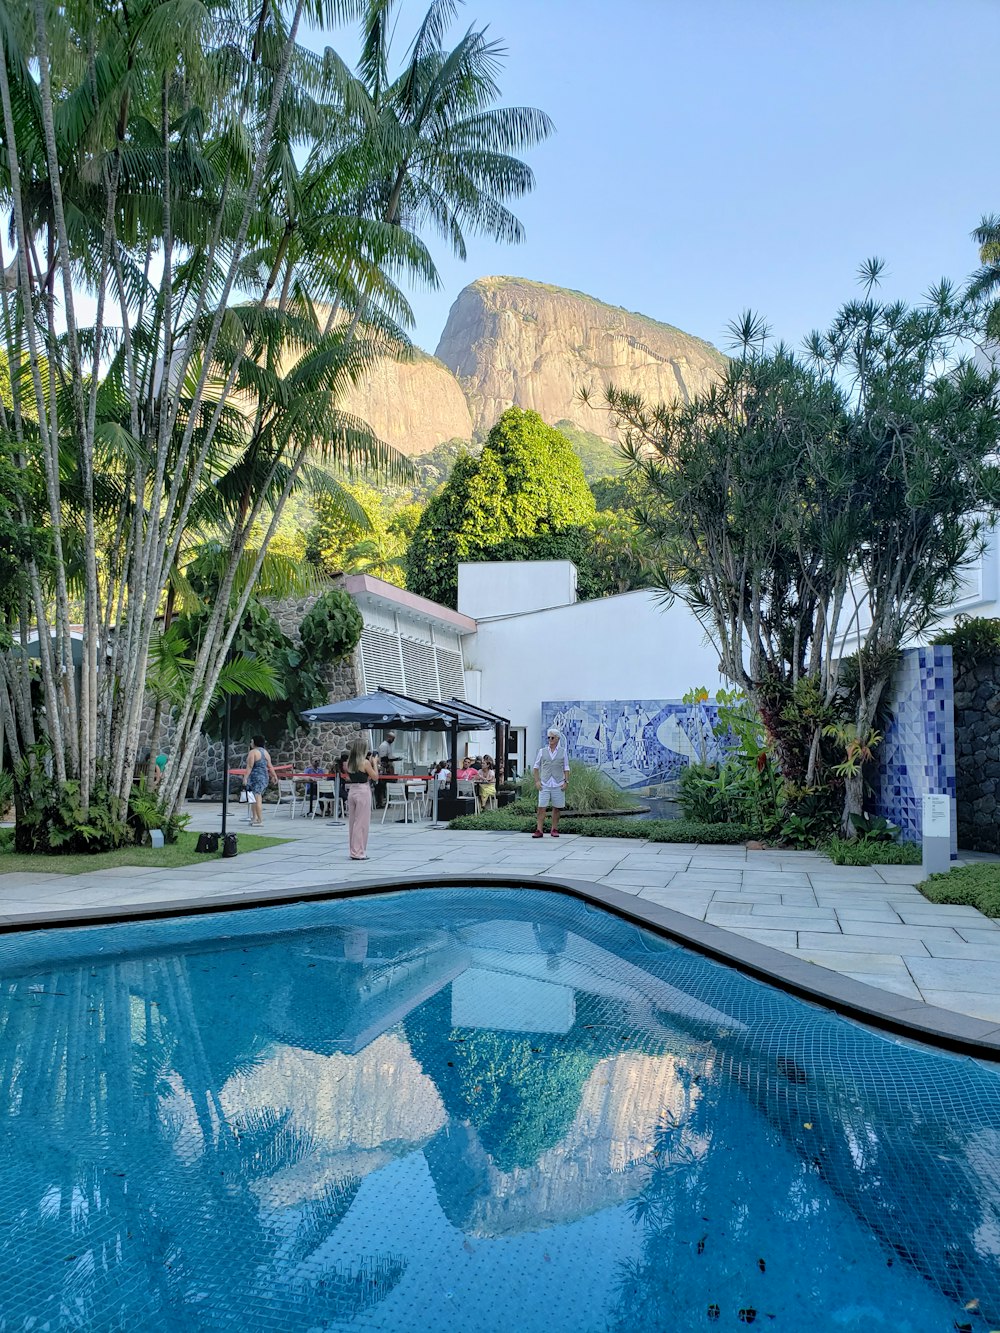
(526, 483)
(810, 507)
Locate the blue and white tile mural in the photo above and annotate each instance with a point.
(917, 754)
(636, 742)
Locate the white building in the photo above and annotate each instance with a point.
(521, 639)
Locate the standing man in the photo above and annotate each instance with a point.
(551, 770)
(385, 762)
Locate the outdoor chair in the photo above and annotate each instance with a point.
(327, 798)
(287, 795)
(466, 787)
(417, 796)
(395, 799)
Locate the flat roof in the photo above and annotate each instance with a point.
(363, 587)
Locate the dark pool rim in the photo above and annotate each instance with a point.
(900, 1015)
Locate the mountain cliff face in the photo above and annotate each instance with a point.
(515, 342)
(413, 405)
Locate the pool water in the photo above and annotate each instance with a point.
(470, 1110)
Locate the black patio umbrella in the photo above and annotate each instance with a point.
(381, 709)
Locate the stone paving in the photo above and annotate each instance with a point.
(869, 924)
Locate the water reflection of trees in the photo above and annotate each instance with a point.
(126, 1130)
(121, 1212)
(854, 1188)
(520, 1090)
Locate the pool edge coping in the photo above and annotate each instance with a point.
(901, 1015)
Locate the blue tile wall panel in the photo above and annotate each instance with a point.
(636, 742)
(642, 742)
(917, 754)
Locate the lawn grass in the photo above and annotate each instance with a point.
(180, 853)
(976, 885)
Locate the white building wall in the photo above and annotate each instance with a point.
(512, 587)
(625, 647)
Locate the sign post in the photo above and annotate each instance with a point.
(936, 831)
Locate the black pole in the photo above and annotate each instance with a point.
(453, 788)
(225, 765)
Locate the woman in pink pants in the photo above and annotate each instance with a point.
(361, 772)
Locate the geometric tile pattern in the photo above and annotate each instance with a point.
(917, 754)
(636, 742)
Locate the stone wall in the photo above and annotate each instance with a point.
(306, 746)
(977, 752)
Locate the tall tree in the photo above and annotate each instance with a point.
(526, 483)
(813, 509)
(201, 178)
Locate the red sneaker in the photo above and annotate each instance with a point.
(538, 833)
(554, 834)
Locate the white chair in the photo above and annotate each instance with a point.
(395, 799)
(326, 797)
(466, 787)
(416, 796)
(287, 794)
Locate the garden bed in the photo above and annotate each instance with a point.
(601, 826)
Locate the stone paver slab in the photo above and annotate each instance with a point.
(957, 975)
(785, 910)
(777, 939)
(868, 943)
(890, 981)
(965, 1002)
(932, 914)
(948, 948)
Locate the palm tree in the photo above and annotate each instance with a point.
(985, 282)
(206, 180)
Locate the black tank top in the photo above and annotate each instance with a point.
(356, 776)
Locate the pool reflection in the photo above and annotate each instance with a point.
(459, 1110)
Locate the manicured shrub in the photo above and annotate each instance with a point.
(976, 885)
(650, 830)
(863, 852)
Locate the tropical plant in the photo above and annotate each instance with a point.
(588, 791)
(800, 505)
(147, 812)
(203, 179)
(971, 638)
(330, 629)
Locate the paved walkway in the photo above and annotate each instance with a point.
(869, 924)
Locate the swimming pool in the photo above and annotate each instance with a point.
(470, 1110)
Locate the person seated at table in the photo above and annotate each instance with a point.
(443, 774)
(311, 770)
(466, 773)
(487, 780)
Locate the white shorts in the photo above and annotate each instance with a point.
(555, 794)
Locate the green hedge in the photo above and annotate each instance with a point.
(863, 853)
(977, 885)
(652, 830)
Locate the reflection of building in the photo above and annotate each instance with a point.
(359, 1111)
(599, 1161)
(370, 981)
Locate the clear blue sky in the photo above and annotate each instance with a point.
(717, 154)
